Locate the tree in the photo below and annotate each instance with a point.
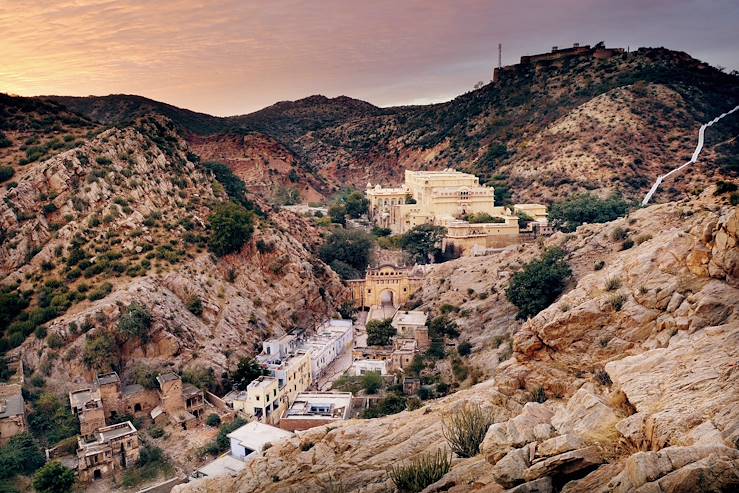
(231, 226)
(372, 381)
(337, 213)
(102, 352)
(356, 204)
(352, 247)
(52, 420)
(380, 332)
(443, 326)
(233, 185)
(423, 242)
(213, 420)
(135, 322)
(539, 283)
(21, 455)
(247, 370)
(586, 208)
(54, 478)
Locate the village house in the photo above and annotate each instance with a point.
(246, 443)
(12, 405)
(332, 338)
(110, 449)
(312, 409)
(181, 405)
(12, 412)
(411, 324)
(446, 198)
(363, 366)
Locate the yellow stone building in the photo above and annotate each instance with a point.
(384, 285)
(446, 198)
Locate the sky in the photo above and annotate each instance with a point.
(234, 57)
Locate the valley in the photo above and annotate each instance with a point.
(326, 295)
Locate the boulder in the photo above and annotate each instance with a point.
(559, 444)
(510, 470)
(541, 485)
(516, 432)
(564, 464)
(585, 414)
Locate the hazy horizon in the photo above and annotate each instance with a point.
(234, 57)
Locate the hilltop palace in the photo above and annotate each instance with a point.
(449, 198)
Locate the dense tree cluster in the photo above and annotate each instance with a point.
(539, 283)
(586, 208)
(347, 252)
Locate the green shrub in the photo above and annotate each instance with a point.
(100, 292)
(231, 226)
(195, 305)
(213, 420)
(380, 332)
(465, 429)
(152, 463)
(420, 472)
(613, 283)
(372, 382)
(54, 478)
(221, 442)
(586, 208)
(6, 173)
(464, 348)
(156, 432)
(538, 395)
(135, 322)
(539, 283)
(232, 184)
(390, 404)
(617, 301)
(721, 187)
(483, 217)
(101, 353)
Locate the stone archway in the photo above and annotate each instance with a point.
(388, 298)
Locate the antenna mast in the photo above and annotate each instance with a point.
(500, 53)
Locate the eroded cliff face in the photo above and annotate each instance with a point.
(637, 361)
(137, 207)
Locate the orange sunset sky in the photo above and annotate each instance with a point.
(233, 57)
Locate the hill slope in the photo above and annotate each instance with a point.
(542, 131)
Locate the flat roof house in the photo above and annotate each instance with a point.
(312, 409)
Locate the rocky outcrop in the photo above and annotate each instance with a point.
(639, 396)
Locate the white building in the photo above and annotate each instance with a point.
(364, 366)
(407, 322)
(247, 442)
(332, 338)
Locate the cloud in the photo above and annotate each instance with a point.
(230, 57)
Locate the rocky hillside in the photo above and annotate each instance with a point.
(542, 132)
(122, 219)
(625, 383)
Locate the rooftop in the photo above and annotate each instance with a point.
(223, 465)
(107, 378)
(132, 389)
(167, 377)
(413, 317)
(11, 406)
(118, 430)
(189, 390)
(79, 398)
(262, 382)
(255, 434)
(320, 405)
